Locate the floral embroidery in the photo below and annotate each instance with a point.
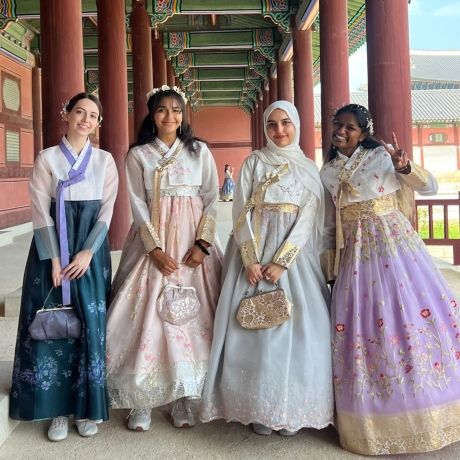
(425, 313)
(340, 327)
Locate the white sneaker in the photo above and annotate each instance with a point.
(261, 429)
(86, 428)
(139, 419)
(181, 414)
(284, 432)
(58, 429)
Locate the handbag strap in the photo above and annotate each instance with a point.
(259, 291)
(47, 297)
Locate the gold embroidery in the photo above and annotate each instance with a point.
(206, 229)
(248, 253)
(418, 177)
(327, 264)
(416, 431)
(149, 237)
(281, 207)
(369, 208)
(344, 182)
(256, 202)
(286, 254)
(162, 165)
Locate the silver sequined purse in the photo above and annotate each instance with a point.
(178, 304)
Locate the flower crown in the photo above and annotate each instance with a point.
(167, 88)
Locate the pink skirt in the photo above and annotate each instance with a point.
(151, 362)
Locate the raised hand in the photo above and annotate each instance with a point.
(398, 155)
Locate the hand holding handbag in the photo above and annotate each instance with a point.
(264, 309)
(55, 323)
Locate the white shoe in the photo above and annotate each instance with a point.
(284, 432)
(86, 428)
(181, 414)
(139, 419)
(58, 429)
(261, 429)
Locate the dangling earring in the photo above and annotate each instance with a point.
(180, 128)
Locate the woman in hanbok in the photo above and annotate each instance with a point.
(396, 344)
(72, 189)
(229, 185)
(173, 188)
(279, 378)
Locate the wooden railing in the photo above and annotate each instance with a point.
(442, 207)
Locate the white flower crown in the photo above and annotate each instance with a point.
(167, 88)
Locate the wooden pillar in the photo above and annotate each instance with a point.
(266, 97)
(37, 109)
(170, 74)
(61, 40)
(284, 80)
(113, 93)
(261, 122)
(142, 61)
(335, 80)
(253, 128)
(304, 99)
(272, 82)
(457, 142)
(388, 66)
(257, 126)
(420, 143)
(159, 62)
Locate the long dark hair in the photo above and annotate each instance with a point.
(363, 117)
(148, 131)
(72, 102)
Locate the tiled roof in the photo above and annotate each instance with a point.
(428, 106)
(435, 65)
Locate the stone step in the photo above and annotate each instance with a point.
(8, 331)
(7, 425)
(13, 303)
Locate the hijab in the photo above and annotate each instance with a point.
(304, 169)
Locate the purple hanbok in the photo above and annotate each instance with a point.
(396, 338)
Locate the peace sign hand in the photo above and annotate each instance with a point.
(398, 156)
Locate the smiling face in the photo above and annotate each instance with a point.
(280, 128)
(167, 117)
(83, 118)
(346, 133)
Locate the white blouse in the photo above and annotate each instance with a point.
(100, 183)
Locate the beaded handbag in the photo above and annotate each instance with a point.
(178, 304)
(264, 309)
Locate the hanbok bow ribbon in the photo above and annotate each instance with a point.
(75, 175)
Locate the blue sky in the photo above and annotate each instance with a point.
(433, 25)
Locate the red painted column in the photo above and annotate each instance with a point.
(159, 62)
(253, 128)
(257, 125)
(303, 89)
(61, 40)
(335, 81)
(113, 84)
(388, 66)
(37, 109)
(261, 121)
(141, 59)
(273, 89)
(457, 142)
(266, 97)
(170, 73)
(420, 143)
(284, 79)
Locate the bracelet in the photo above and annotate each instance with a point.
(405, 170)
(203, 248)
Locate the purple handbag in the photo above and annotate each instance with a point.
(55, 323)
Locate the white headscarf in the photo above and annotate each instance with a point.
(300, 166)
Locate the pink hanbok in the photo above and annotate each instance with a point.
(151, 362)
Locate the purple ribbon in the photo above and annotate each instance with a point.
(75, 176)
